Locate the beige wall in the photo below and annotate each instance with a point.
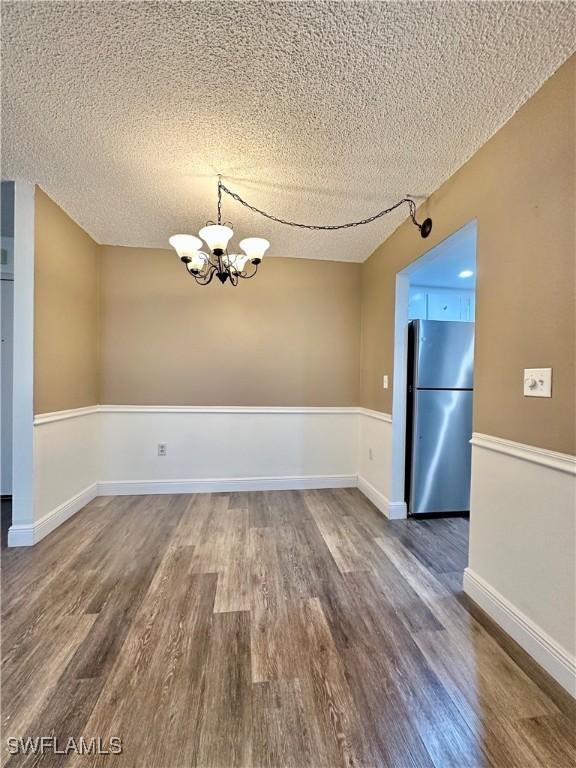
(65, 311)
(129, 326)
(521, 188)
(291, 336)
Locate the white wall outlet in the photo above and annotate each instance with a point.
(370, 454)
(385, 382)
(162, 449)
(538, 382)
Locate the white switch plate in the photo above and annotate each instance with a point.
(162, 449)
(385, 382)
(538, 382)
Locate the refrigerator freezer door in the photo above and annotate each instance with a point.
(444, 355)
(441, 452)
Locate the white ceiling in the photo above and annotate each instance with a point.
(442, 265)
(124, 112)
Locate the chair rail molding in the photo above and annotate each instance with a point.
(380, 415)
(72, 413)
(563, 462)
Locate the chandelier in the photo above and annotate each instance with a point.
(202, 266)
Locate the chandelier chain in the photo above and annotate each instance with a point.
(231, 267)
(219, 199)
(325, 227)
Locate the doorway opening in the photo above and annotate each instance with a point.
(433, 385)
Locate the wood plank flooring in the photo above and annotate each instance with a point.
(293, 628)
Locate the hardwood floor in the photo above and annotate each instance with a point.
(293, 628)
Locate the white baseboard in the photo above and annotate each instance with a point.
(28, 535)
(226, 484)
(397, 510)
(557, 661)
(393, 510)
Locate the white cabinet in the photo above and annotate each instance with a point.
(417, 304)
(444, 305)
(426, 303)
(469, 307)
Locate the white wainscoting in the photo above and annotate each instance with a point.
(113, 450)
(522, 548)
(221, 449)
(66, 470)
(374, 462)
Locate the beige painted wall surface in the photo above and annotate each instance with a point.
(521, 188)
(65, 311)
(291, 336)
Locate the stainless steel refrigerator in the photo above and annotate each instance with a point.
(439, 423)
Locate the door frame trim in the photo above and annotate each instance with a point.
(23, 359)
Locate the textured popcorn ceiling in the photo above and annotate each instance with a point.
(124, 112)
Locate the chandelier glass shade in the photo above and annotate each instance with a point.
(203, 265)
(216, 236)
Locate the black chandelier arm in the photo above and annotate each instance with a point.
(236, 276)
(425, 228)
(226, 223)
(203, 278)
(207, 279)
(245, 276)
(212, 261)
